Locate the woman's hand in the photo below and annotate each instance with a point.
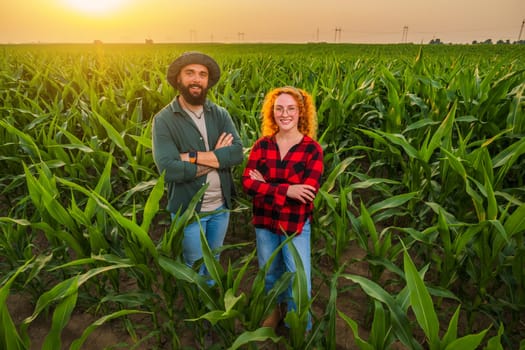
(303, 193)
(256, 175)
(300, 192)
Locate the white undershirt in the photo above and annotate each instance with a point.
(213, 198)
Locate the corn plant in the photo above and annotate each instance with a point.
(10, 337)
(65, 295)
(334, 225)
(416, 296)
(423, 144)
(493, 239)
(381, 334)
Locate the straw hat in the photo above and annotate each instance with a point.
(194, 57)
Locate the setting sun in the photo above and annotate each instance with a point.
(96, 7)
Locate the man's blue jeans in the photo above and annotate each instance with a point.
(267, 243)
(214, 227)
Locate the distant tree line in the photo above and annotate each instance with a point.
(487, 42)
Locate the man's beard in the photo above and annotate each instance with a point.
(188, 97)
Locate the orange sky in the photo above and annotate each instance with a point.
(368, 21)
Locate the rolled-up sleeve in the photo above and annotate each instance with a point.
(166, 155)
(274, 193)
(232, 155)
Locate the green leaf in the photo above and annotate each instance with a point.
(299, 283)
(421, 303)
(61, 317)
(399, 140)
(368, 223)
(242, 271)
(212, 265)
(468, 342)
(103, 188)
(137, 232)
(452, 330)
(117, 139)
(152, 204)
(515, 223)
(9, 336)
(182, 272)
(400, 321)
(381, 332)
(391, 202)
(444, 130)
(339, 169)
(77, 343)
(494, 343)
(59, 291)
(258, 335)
(360, 342)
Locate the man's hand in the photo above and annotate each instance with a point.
(224, 140)
(203, 170)
(185, 157)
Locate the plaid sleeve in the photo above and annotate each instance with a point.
(315, 167)
(273, 192)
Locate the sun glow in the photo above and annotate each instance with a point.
(95, 7)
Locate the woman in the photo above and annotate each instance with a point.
(283, 175)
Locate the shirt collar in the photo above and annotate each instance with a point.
(177, 108)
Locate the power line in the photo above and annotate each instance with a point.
(521, 30)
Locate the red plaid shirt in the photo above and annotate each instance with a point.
(303, 164)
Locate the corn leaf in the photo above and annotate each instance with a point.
(421, 303)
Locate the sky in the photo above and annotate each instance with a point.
(246, 21)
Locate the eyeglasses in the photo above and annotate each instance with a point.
(290, 110)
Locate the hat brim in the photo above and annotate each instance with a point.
(193, 57)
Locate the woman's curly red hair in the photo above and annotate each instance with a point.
(307, 124)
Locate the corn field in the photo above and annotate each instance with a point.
(424, 174)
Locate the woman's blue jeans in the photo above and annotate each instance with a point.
(267, 243)
(214, 227)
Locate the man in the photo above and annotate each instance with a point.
(195, 143)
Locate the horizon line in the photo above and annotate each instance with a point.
(147, 42)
